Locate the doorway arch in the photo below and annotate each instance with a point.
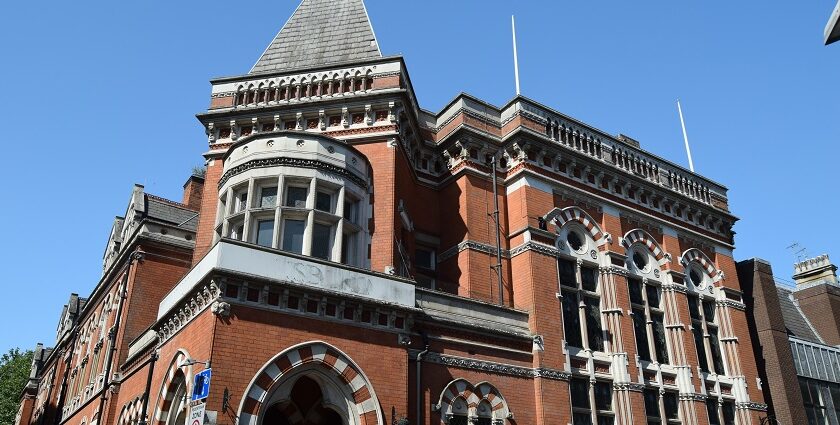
(310, 371)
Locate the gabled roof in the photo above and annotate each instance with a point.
(321, 32)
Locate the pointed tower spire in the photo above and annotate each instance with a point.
(321, 32)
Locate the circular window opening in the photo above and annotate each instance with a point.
(574, 240)
(640, 260)
(694, 277)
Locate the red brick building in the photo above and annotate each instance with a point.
(340, 262)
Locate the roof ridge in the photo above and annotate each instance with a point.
(170, 202)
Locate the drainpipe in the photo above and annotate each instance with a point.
(418, 363)
(112, 336)
(152, 360)
(498, 265)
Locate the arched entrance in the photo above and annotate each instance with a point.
(305, 407)
(310, 384)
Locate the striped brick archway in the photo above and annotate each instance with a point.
(130, 413)
(473, 395)
(316, 356)
(174, 378)
(694, 255)
(644, 238)
(576, 214)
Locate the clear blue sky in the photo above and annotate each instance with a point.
(99, 95)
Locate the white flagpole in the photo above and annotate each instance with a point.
(515, 60)
(685, 137)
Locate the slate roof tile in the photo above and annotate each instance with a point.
(321, 32)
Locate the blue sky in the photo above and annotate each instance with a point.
(100, 95)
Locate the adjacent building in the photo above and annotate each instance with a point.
(797, 335)
(352, 258)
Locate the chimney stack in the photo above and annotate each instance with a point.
(818, 293)
(193, 191)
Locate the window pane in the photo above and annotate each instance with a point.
(351, 210)
(711, 409)
(640, 328)
(571, 319)
(593, 324)
(240, 201)
(714, 347)
(652, 403)
(728, 413)
(653, 296)
(671, 406)
(709, 311)
(296, 196)
(458, 420)
(424, 258)
(589, 278)
(265, 232)
(636, 292)
(605, 420)
(581, 419)
(694, 307)
(293, 236)
(348, 249)
(268, 197)
(700, 347)
(323, 202)
(603, 396)
(659, 339)
(321, 241)
(567, 273)
(579, 388)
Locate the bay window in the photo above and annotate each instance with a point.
(308, 216)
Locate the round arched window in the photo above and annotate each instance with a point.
(575, 240)
(640, 260)
(695, 277)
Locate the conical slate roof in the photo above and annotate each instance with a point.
(321, 32)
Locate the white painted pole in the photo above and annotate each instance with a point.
(685, 137)
(515, 60)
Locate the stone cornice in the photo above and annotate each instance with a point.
(493, 367)
(293, 162)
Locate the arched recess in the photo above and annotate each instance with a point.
(172, 400)
(460, 397)
(130, 413)
(695, 255)
(700, 272)
(345, 388)
(645, 257)
(575, 214)
(640, 236)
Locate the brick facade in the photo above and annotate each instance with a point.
(570, 199)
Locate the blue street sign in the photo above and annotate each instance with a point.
(201, 385)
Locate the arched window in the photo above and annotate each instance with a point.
(488, 406)
(644, 259)
(701, 275)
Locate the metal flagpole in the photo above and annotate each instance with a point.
(515, 60)
(685, 137)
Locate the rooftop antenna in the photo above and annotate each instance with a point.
(799, 251)
(515, 59)
(685, 137)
